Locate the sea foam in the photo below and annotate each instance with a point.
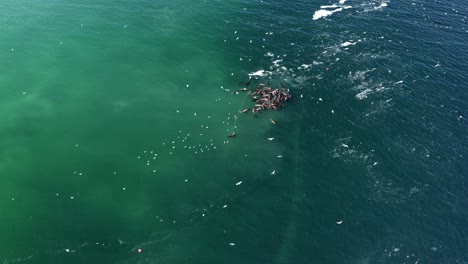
(324, 13)
(382, 5)
(347, 43)
(329, 6)
(259, 73)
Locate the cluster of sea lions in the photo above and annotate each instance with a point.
(268, 98)
(264, 97)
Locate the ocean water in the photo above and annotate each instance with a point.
(115, 116)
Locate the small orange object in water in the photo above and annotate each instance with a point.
(139, 250)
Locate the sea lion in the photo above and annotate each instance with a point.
(248, 82)
(273, 121)
(243, 89)
(245, 110)
(232, 135)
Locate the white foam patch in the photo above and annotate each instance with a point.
(276, 62)
(324, 13)
(359, 75)
(368, 88)
(363, 94)
(260, 73)
(329, 6)
(375, 5)
(347, 43)
(383, 4)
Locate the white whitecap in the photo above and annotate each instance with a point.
(258, 73)
(321, 13)
(277, 61)
(363, 94)
(324, 13)
(347, 43)
(381, 6)
(329, 6)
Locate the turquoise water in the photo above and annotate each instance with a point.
(115, 117)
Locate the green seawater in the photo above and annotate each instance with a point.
(114, 119)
